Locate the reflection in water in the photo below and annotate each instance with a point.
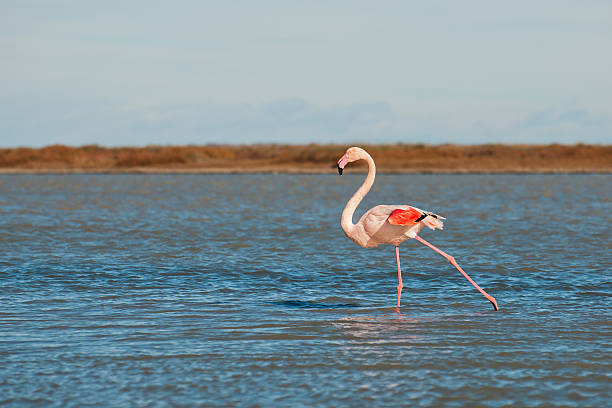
(202, 290)
(382, 328)
(311, 304)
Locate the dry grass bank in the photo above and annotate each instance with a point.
(307, 158)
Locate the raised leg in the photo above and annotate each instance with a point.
(454, 263)
(399, 277)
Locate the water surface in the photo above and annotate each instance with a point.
(228, 290)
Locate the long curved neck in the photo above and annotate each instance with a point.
(347, 215)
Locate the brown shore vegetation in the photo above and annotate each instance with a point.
(410, 158)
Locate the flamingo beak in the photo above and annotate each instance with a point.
(341, 163)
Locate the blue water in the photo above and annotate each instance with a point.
(241, 290)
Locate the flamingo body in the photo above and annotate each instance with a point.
(383, 224)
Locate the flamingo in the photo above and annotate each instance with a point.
(390, 224)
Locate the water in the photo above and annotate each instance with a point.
(226, 290)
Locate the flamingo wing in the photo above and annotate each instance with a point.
(411, 216)
(407, 216)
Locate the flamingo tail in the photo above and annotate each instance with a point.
(434, 222)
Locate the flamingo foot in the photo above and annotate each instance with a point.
(494, 303)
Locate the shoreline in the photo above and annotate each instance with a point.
(289, 170)
(308, 159)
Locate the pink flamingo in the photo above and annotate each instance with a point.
(389, 224)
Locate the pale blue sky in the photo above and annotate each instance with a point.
(159, 72)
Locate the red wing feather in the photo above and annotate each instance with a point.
(404, 217)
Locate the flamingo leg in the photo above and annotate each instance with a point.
(454, 263)
(399, 277)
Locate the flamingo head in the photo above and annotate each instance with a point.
(352, 154)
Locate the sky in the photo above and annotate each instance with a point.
(133, 73)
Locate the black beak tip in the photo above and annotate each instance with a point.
(339, 170)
